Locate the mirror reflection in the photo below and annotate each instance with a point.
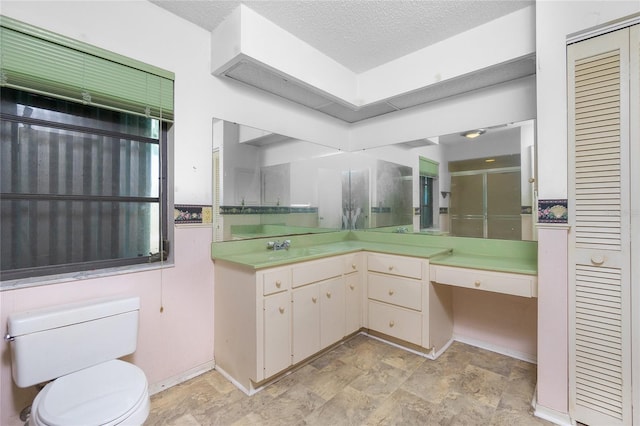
(273, 185)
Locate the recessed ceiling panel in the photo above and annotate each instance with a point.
(261, 77)
(351, 115)
(270, 81)
(484, 78)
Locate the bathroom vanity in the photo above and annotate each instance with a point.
(276, 309)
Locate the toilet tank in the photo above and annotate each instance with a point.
(51, 342)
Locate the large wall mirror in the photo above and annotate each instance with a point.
(273, 185)
(475, 182)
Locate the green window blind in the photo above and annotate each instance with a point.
(428, 167)
(36, 60)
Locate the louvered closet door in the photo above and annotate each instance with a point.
(599, 277)
(634, 142)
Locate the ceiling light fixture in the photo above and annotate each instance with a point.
(472, 134)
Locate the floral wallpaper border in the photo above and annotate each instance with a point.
(192, 214)
(229, 210)
(553, 211)
(380, 209)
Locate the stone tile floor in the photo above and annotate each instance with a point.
(365, 382)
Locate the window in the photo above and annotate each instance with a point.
(83, 155)
(81, 187)
(426, 202)
(428, 173)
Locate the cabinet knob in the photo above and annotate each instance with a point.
(597, 259)
(390, 292)
(391, 267)
(391, 323)
(314, 299)
(351, 286)
(281, 309)
(477, 283)
(328, 295)
(353, 266)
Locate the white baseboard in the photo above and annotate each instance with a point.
(182, 377)
(428, 355)
(442, 349)
(236, 383)
(551, 415)
(495, 348)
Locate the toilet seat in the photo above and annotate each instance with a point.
(111, 393)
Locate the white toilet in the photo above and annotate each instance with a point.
(77, 347)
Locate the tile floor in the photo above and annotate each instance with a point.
(365, 382)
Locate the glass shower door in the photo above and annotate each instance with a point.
(466, 207)
(486, 205)
(503, 206)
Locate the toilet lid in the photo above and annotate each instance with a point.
(96, 395)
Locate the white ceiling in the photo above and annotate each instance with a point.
(359, 34)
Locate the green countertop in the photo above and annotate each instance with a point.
(492, 255)
(489, 263)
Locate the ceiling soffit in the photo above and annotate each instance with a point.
(250, 50)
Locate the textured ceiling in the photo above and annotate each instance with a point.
(359, 34)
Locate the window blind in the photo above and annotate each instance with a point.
(428, 167)
(40, 61)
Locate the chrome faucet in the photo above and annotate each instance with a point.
(277, 245)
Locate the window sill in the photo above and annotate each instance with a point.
(81, 275)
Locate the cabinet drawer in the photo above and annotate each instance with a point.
(499, 282)
(395, 265)
(275, 281)
(396, 322)
(398, 291)
(318, 270)
(352, 263)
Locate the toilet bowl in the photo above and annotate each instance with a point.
(108, 394)
(76, 349)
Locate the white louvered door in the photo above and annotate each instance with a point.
(599, 241)
(634, 121)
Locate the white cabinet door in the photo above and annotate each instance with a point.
(277, 333)
(306, 322)
(599, 244)
(332, 311)
(353, 298)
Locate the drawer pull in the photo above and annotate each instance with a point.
(391, 324)
(353, 266)
(477, 283)
(278, 283)
(328, 295)
(351, 286)
(390, 292)
(281, 309)
(314, 299)
(391, 267)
